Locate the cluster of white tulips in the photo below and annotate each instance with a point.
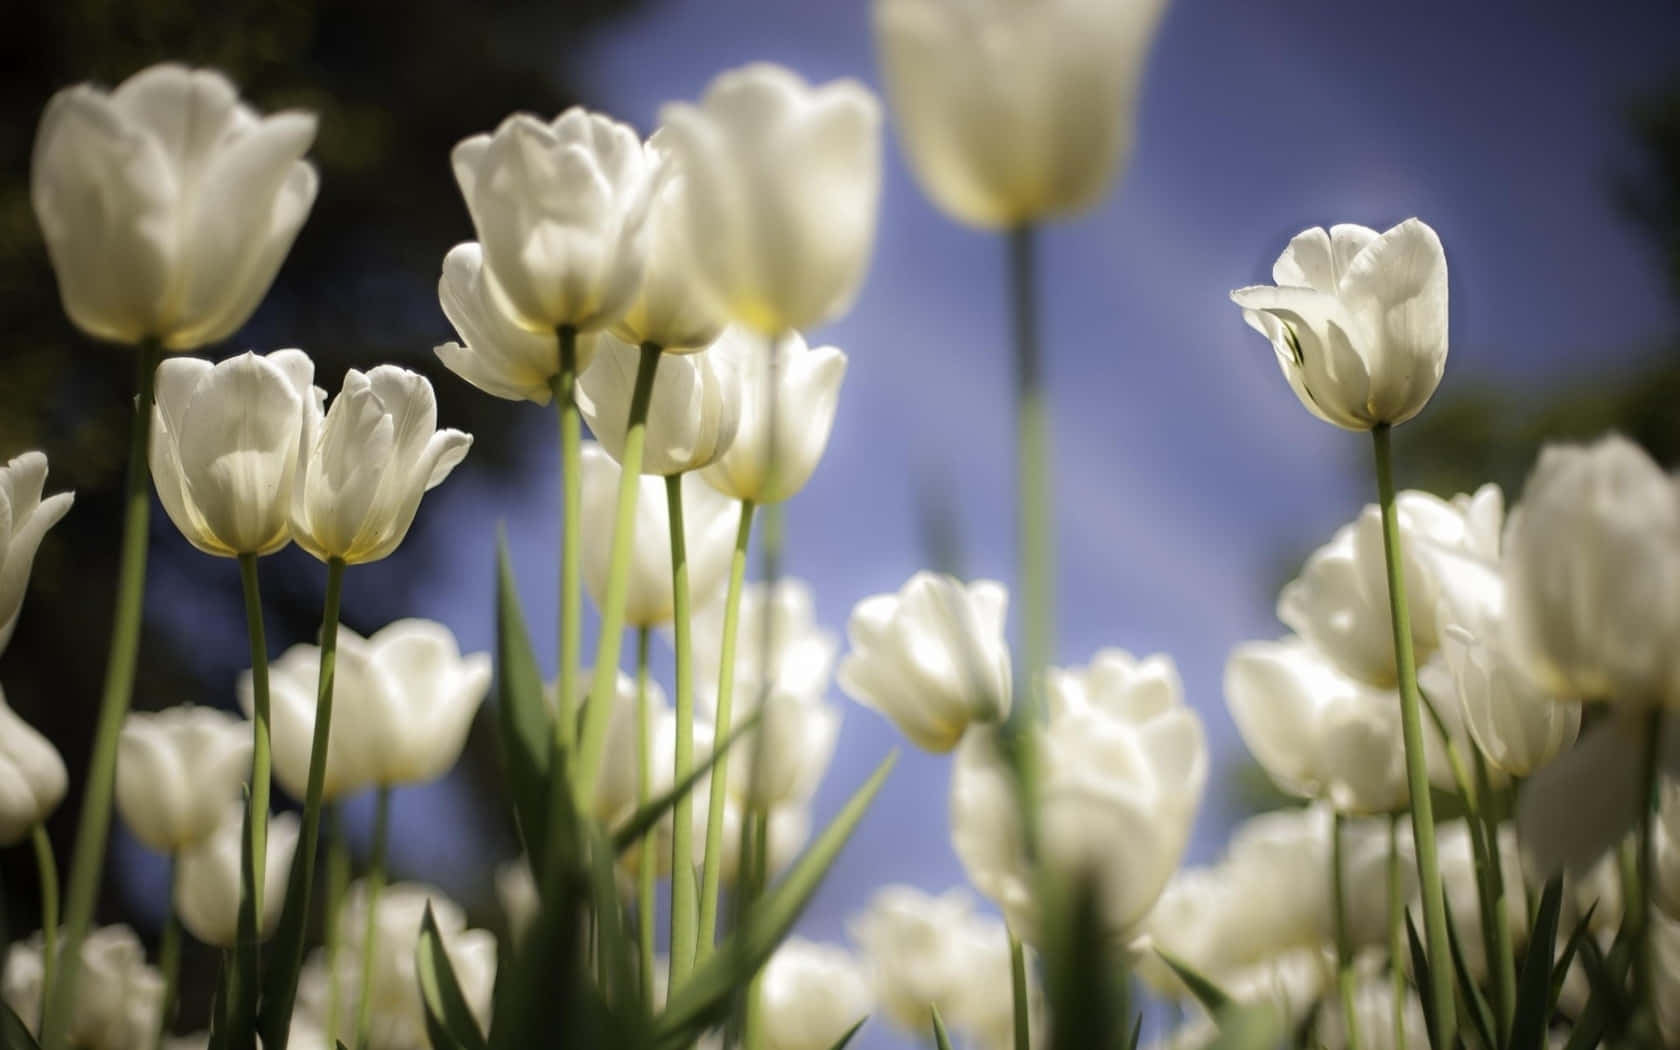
(1513, 669)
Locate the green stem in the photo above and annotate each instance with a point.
(595, 715)
(1032, 469)
(1639, 904)
(1397, 947)
(261, 760)
(1344, 936)
(683, 897)
(712, 870)
(375, 882)
(1443, 993)
(1018, 990)
(88, 862)
(564, 386)
(646, 870)
(758, 878)
(300, 885)
(1496, 927)
(338, 882)
(47, 867)
(169, 958)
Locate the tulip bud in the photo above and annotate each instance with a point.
(24, 519)
(810, 995)
(1358, 320)
(672, 308)
(177, 771)
(403, 701)
(365, 463)
(932, 658)
(972, 84)
(783, 181)
(805, 388)
(208, 878)
(1592, 574)
(167, 206)
(692, 416)
(709, 523)
(224, 449)
(561, 210)
(32, 776)
(497, 354)
(119, 999)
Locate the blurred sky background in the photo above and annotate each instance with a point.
(1187, 474)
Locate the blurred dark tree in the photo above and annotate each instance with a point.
(396, 84)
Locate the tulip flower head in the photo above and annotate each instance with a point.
(178, 770)
(693, 413)
(119, 998)
(1358, 320)
(32, 776)
(167, 205)
(497, 353)
(24, 520)
(810, 995)
(207, 882)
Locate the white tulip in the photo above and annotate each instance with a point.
(177, 771)
(1516, 725)
(932, 658)
(915, 946)
(1373, 1010)
(32, 776)
(561, 210)
(709, 524)
(1592, 572)
(118, 996)
(765, 464)
(24, 519)
(496, 353)
(982, 1008)
(365, 463)
(783, 759)
(1456, 861)
(616, 789)
(1339, 602)
(1122, 759)
(783, 181)
(672, 309)
(167, 205)
(516, 891)
(810, 994)
(207, 880)
(1358, 320)
(1009, 113)
(224, 449)
(403, 701)
(801, 653)
(693, 413)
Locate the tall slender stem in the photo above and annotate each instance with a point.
(288, 957)
(1018, 992)
(646, 871)
(1397, 949)
(261, 760)
(1639, 904)
(711, 871)
(375, 882)
(683, 891)
(570, 658)
(1344, 936)
(169, 958)
(757, 866)
(1443, 992)
(88, 861)
(47, 868)
(1036, 554)
(338, 882)
(595, 715)
(1497, 926)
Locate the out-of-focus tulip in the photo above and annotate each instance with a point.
(496, 353)
(32, 776)
(516, 891)
(616, 787)
(932, 658)
(207, 881)
(1456, 860)
(1516, 725)
(224, 449)
(118, 996)
(403, 700)
(1373, 1011)
(693, 414)
(1008, 112)
(672, 309)
(805, 385)
(1358, 320)
(1122, 759)
(801, 654)
(783, 180)
(793, 744)
(810, 994)
(1592, 574)
(914, 944)
(364, 464)
(561, 210)
(24, 519)
(709, 524)
(177, 771)
(167, 205)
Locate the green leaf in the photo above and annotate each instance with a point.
(1137, 1033)
(1210, 995)
(614, 946)
(1534, 981)
(14, 1034)
(1082, 977)
(631, 830)
(1421, 978)
(706, 996)
(845, 1039)
(1474, 1002)
(450, 1023)
(1247, 1028)
(941, 1041)
(524, 726)
(1566, 958)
